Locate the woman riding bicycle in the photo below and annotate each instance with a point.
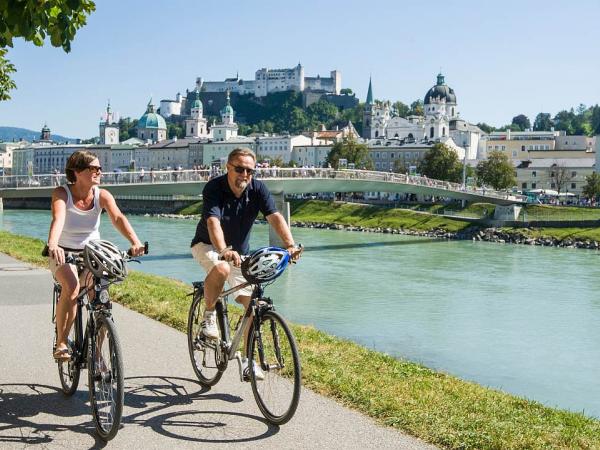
(76, 210)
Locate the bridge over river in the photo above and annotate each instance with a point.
(279, 180)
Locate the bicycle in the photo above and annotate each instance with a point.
(98, 349)
(270, 345)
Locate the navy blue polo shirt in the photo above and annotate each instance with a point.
(236, 215)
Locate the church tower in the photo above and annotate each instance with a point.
(227, 129)
(196, 126)
(109, 128)
(368, 113)
(45, 134)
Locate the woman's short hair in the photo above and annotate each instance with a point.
(78, 161)
(240, 151)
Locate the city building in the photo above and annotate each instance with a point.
(440, 123)
(267, 81)
(314, 155)
(170, 108)
(396, 155)
(6, 155)
(564, 175)
(151, 126)
(521, 145)
(279, 147)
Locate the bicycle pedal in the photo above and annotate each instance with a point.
(238, 356)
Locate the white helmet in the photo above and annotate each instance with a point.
(265, 264)
(104, 259)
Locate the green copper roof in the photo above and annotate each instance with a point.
(370, 93)
(197, 103)
(151, 119)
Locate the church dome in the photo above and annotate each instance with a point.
(227, 110)
(440, 92)
(151, 119)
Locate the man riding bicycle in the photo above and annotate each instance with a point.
(231, 203)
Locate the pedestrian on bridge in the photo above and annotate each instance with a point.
(76, 210)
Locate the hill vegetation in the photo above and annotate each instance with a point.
(9, 134)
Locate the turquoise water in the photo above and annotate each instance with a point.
(522, 319)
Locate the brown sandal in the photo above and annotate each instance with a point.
(62, 355)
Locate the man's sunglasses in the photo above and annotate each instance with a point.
(95, 169)
(240, 169)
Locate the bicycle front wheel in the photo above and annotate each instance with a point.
(273, 350)
(69, 371)
(206, 355)
(105, 374)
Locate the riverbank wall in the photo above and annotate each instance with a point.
(148, 205)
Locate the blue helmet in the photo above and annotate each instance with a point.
(265, 264)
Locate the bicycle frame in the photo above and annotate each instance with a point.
(81, 344)
(230, 343)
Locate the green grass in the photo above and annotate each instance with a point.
(547, 212)
(434, 406)
(370, 216)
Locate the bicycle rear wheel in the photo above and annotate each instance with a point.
(206, 355)
(105, 375)
(273, 349)
(69, 371)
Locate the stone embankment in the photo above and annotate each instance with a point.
(475, 233)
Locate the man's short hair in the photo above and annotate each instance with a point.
(240, 151)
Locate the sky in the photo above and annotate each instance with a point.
(502, 58)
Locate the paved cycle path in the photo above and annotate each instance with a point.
(164, 406)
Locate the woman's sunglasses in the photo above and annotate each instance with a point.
(240, 169)
(94, 169)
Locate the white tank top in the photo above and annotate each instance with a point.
(80, 226)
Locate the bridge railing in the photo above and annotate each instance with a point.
(175, 176)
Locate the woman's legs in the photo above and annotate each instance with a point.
(66, 275)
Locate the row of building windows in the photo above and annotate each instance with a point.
(552, 185)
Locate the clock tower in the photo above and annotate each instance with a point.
(109, 128)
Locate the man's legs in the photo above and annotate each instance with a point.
(213, 285)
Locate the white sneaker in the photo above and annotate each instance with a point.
(209, 325)
(257, 370)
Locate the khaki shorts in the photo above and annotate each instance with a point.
(208, 258)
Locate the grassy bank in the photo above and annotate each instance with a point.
(436, 407)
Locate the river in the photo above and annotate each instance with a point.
(518, 318)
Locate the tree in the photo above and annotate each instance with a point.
(595, 119)
(522, 121)
(563, 121)
(485, 127)
(592, 188)
(441, 162)
(400, 109)
(34, 20)
(560, 176)
(497, 171)
(417, 108)
(400, 166)
(346, 91)
(543, 122)
(175, 130)
(352, 151)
